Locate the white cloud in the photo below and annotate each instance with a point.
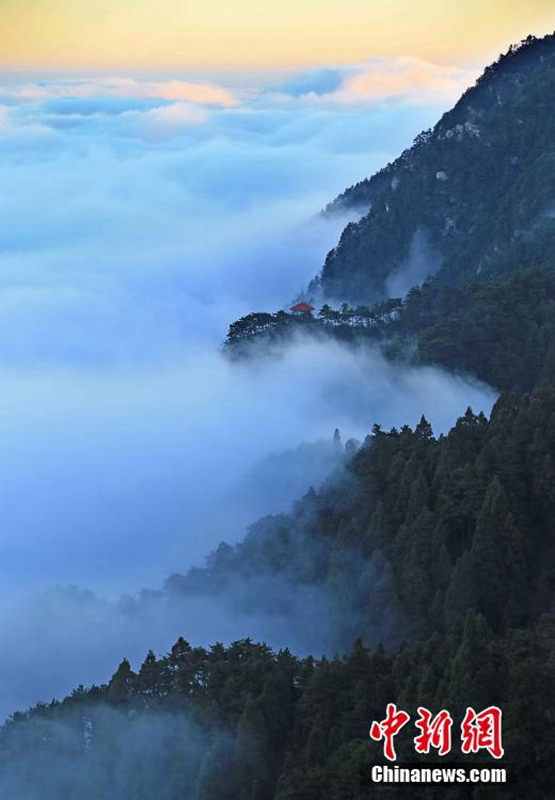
(138, 219)
(130, 240)
(200, 93)
(407, 78)
(402, 78)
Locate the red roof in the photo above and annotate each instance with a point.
(302, 307)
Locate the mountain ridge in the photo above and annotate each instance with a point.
(473, 220)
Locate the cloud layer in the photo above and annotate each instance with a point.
(138, 218)
(194, 92)
(405, 78)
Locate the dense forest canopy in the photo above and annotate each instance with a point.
(447, 541)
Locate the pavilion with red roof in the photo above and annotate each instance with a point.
(302, 308)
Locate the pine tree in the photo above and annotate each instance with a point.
(122, 685)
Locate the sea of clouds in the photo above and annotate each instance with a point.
(139, 216)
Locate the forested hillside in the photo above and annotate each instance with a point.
(446, 542)
(500, 329)
(474, 196)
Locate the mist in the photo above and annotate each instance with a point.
(139, 217)
(104, 752)
(150, 487)
(422, 262)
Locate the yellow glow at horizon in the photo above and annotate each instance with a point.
(258, 33)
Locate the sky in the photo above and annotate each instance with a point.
(272, 34)
(151, 193)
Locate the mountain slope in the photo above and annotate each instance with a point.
(474, 196)
(464, 523)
